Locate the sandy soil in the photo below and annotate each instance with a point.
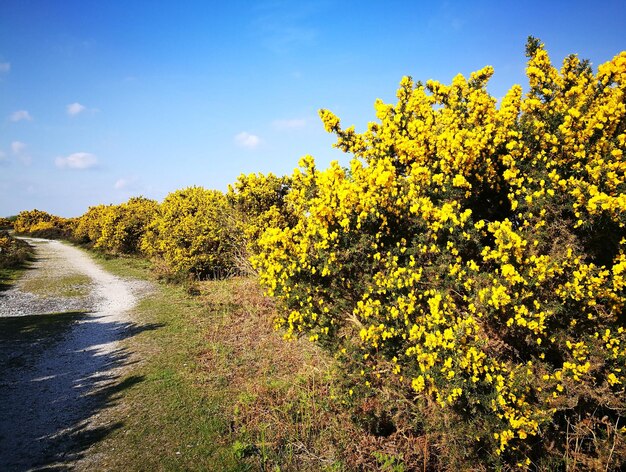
(54, 392)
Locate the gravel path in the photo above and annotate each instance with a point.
(55, 386)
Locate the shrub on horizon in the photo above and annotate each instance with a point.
(41, 224)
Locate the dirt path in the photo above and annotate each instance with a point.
(59, 373)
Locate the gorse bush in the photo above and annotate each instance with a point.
(41, 224)
(471, 260)
(13, 252)
(6, 223)
(116, 228)
(27, 219)
(124, 225)
(89, 226)
(256, 201)
(190, 234)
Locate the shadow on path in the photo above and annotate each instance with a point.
(58, 373)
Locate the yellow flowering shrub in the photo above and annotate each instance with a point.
(116, 228)
(257, 202)
(472, 259)
(42, 224)
(189, 234)
(124, 225)
(28, 218)
(89, 226)
(6, 223)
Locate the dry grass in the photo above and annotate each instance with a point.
(220, 389)
(282, 399)
(289, 400)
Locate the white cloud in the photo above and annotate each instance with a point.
(294, 123)
(78, 160)
(17, 147)
(126, 183)
(247, 140)
(75, 108)
(5, 67)
(20, 115)
(121, 184)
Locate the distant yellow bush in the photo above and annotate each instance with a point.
(124, 225)
(189, 233)
(472, 259)
(41, 224)
(116, 228)
(6, 223)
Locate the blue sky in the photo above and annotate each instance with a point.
(104, 100)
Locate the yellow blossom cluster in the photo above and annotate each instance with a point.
(42, 224)
(6, 223)
(116, 228)
(256, 202)
(189, 234)
(475, 247)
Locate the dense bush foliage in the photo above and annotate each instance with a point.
(190, 234)
(116, 228)
(6, 223)
(256, 201)
(13, 252)
(88, 228)
(40, 224)
(471, 260)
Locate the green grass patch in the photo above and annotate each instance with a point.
(173, 418)
(74, 285)
(124, 265)
(220, 389)
(8, 277)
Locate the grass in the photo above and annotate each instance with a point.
(171, 420)
(74, 285)
(283, 397)
(8, 276)
(220, 389)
